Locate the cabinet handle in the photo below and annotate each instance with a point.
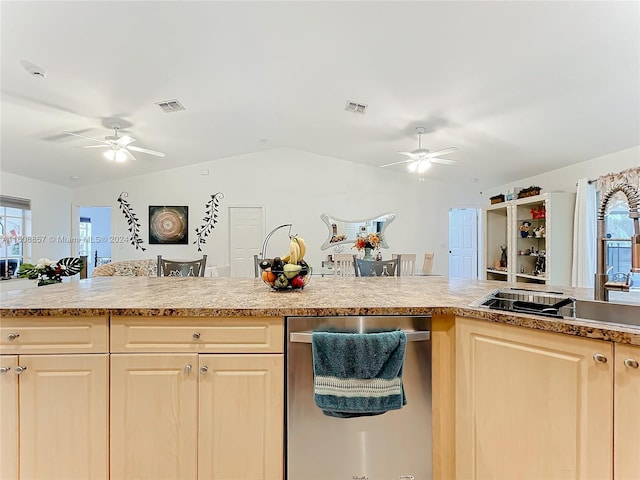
(196, 335)
(20, 369)
(187, 368)
(4, 369)
(12, 336)
(599, 358)
(204, 369)
(631, 363)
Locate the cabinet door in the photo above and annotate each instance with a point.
(241, 417)
(531, 404)
(64, 416)
(154, 401)
(627, 413)
(8, 417)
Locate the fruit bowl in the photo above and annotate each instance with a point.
(289, 272)
(285, 276)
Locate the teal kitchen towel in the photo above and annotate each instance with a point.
(358, 374)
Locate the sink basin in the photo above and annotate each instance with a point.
(608, 312)
(521, 300)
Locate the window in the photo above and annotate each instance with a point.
(619, 228)
(15, 228)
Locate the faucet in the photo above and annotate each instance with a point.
(602, 286)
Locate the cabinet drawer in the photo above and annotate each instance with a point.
(197, 334)
(53, 335)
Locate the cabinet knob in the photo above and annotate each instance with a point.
(4, 369)
(12, 336)
(20, 369)
(631, 363)
(204, 369)
(599, 358)
(187, 368)
(196, 335)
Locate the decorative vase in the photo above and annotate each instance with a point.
(367, 254)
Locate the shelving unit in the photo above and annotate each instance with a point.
(544, 258)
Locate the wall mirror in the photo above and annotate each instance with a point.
(346, 231)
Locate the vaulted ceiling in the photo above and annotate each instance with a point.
(518, 87)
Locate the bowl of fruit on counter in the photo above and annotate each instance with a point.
(289, 272)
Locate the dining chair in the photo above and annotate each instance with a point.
(407, 262)
(427, 264)
(181, 268)
(378, 268)
(344, 265)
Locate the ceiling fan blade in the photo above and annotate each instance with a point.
(442, 152)
(397, 163)
(409, 154)
(128, 154)
(443, 161)
(92, 146)
(88, 138)
(125, 140)
(144, 150)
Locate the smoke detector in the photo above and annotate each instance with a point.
(170, 106)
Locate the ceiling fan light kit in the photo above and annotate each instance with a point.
(421, 159)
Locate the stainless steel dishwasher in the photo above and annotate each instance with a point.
(392, 446)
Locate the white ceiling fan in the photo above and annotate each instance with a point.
(421, 159)
(119, 148)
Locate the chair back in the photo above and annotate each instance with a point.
(427, 264)
(181, 268)
(378, 268)
(407, 263)
(344, 265)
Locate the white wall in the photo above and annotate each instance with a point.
(565, 179)
(294, 187)
(50, 215)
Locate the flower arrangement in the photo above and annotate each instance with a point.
(47, 271)
(371, 241)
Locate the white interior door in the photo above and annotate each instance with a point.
(463, 243)
(246, 234)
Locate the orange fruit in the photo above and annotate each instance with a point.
(268, 276)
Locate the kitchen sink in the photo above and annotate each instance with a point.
(608, 312)
(559, 305)
(522, 300)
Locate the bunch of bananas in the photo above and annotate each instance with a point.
(297, 249)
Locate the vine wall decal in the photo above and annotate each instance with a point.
(132, 221)
(210, 219)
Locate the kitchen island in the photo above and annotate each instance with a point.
(137, 338)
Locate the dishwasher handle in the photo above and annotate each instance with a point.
(412, 336)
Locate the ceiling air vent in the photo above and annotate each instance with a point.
(355, 107)
(170, 106)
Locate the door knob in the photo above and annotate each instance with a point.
(12, 336)
(187, 368)
(204, 369)
(196, 335)
(4, 369)
(20, 369)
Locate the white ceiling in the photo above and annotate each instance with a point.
(519, 87)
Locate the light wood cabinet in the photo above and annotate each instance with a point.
(54, 398)
(531, 404)
(627, 413)
(9, 413)
(199, 414)
(241, 417)
(154, 416)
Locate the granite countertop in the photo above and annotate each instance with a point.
(215, 297)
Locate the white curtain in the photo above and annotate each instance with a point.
(584, 236)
